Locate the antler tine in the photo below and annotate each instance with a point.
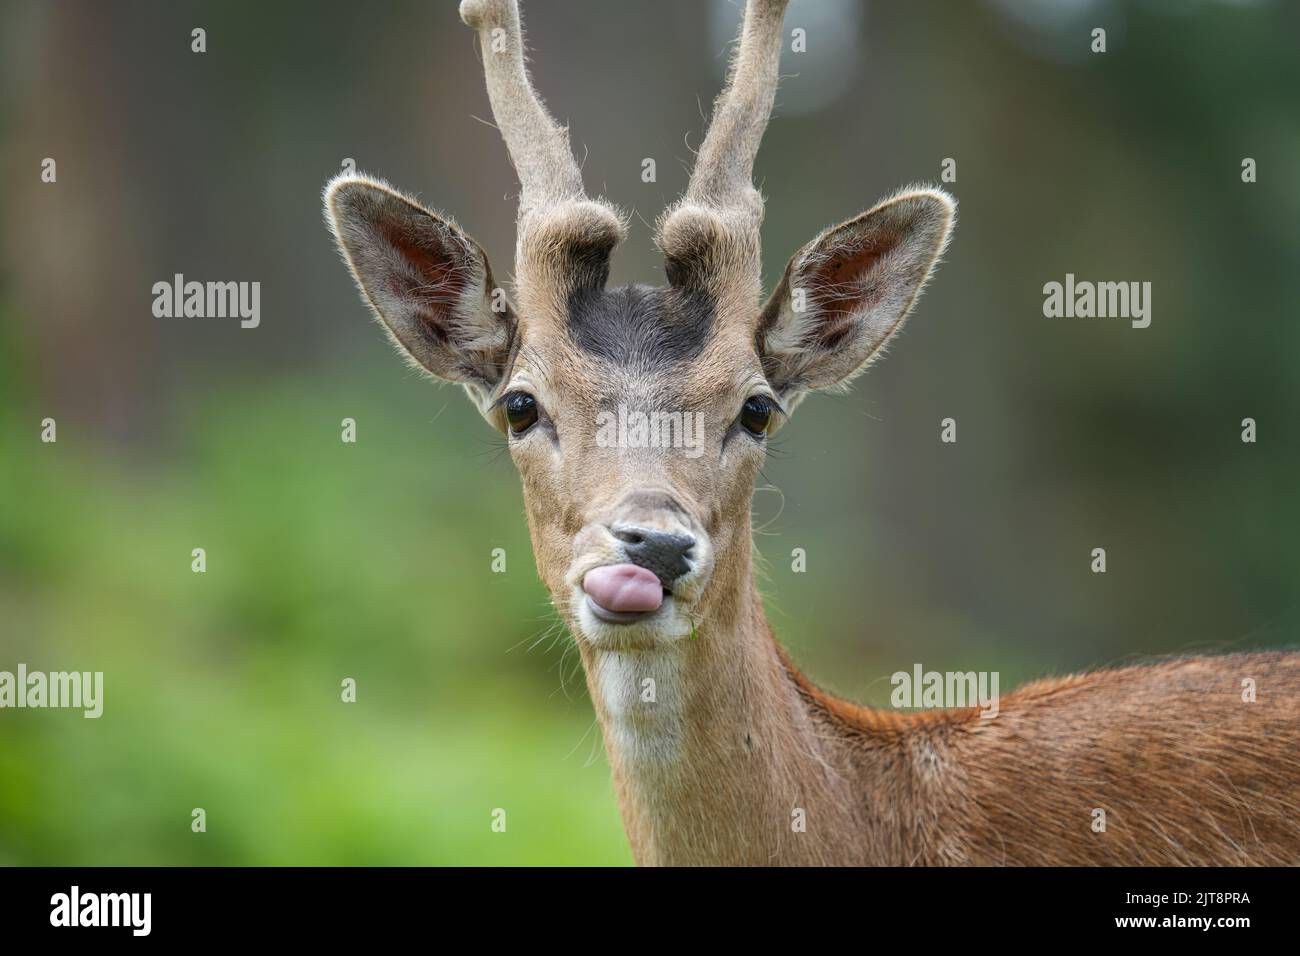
(557, 221)
(710, 236)
(539, 148)
(724, 168)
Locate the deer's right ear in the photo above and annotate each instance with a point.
(428, 282)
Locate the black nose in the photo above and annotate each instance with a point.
(662, 552)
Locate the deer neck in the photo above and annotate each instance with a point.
(717, 754)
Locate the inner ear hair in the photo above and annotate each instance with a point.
(847, 292)
(428, 282)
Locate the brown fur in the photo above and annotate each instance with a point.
(1187, 772)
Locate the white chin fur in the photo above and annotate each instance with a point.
(643, 632)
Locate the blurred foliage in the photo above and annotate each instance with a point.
(222, 689)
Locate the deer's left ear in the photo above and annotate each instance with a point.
(845, 293)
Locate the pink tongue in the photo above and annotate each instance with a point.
(623, 587)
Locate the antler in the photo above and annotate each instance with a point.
(721, 205)
(555, 214)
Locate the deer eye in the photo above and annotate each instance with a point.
(756, 415)
(521, 412)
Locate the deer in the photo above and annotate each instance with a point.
(721, 751)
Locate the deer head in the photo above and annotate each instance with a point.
(637, 416)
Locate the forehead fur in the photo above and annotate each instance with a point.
(638, 345)
(641, 327)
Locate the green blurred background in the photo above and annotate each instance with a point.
(372, 561)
